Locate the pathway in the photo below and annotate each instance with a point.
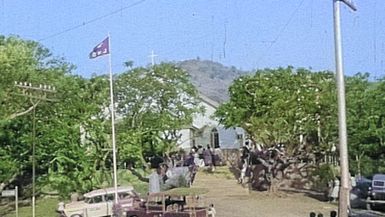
(232, 200)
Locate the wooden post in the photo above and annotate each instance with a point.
(163, 204)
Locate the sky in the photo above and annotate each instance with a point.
(247, 34)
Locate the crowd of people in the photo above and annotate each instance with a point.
(207, 157)
(259, 166)
(179, 169)
(169, 169)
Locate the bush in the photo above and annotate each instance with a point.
(323, 174)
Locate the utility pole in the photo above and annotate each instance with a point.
(36, 94)
(344, 198)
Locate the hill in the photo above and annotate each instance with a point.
(211, 78)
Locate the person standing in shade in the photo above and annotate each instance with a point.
(212, 152)
(208, 158)
(333, 213)
(336, 190)
(243, 171)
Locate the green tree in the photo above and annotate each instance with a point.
(365, 124)
(295, 107)
(67, 159)
(277, 106)
(376, 119)
(79, 137)
(154, 103)
(23, 61)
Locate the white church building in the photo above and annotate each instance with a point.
(205, 130)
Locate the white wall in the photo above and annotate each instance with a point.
(228, 138)
(201, 120)
(185, 141)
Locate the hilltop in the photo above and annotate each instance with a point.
(211, 78)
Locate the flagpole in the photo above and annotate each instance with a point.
(113, 123)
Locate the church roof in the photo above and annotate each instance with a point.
(209, 101)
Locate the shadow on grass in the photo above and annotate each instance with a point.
(320, 196)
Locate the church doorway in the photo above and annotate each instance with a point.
(214, 138)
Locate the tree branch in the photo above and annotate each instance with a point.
(137, 174)
(24, 112)
(6, 182)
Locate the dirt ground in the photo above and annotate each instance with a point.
(232, 200)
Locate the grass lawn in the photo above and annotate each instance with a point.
(45, 207)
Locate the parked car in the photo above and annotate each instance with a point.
(177, 202)
(100, 202)
(360, 192)
(376, 194)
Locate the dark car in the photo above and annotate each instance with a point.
(360, 192)
(177, 202)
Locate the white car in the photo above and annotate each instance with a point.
(100, 202)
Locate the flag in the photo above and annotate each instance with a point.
(101, 49)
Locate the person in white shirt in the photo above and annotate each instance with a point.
(243, 171)
(211, 211)
(157, 179)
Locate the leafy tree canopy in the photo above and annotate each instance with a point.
(278, 105)
(155, 103)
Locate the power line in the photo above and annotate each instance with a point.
(92, 20)
(280, 33)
